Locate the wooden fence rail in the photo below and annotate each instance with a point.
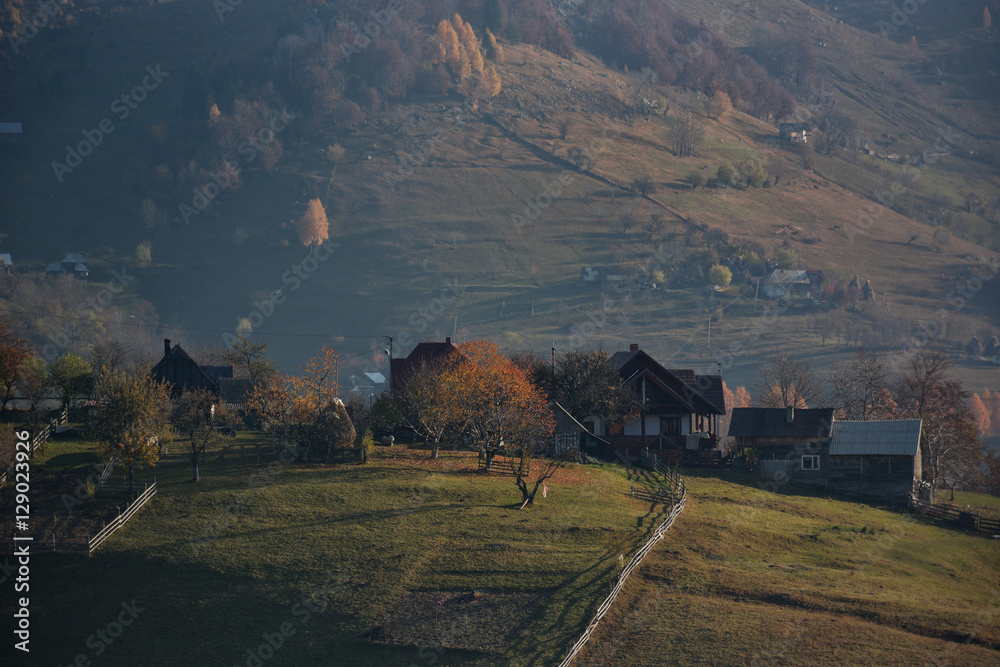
(969, 520)
(624, 575)
(37, 441)
(92, 543)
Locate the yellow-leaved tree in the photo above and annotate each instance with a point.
(313, 227)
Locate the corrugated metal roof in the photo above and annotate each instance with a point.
(899, 437)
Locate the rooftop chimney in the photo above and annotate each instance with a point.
(447, 339)
(790, 414)
(633, 347)
(166, 346)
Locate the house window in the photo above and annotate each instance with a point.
(810, 462)
(670, 425)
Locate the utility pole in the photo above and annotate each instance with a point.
(709, 333)
(390, 346)
(553, 361)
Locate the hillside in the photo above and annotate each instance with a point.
(405, 560)
(404, 238)
(751, 577)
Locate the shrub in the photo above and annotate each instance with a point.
(725, 176)
(720, 275)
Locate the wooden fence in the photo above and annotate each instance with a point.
(968, 520)
(632, 564)
(40, 439)
(92, 543)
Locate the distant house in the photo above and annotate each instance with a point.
(816, 279)
(678, 419)
(401, 369)
(598, 276)
(796, 133)
(811, 447)
(6, 263)
(73, 264)
(788, 284)
(179, 370)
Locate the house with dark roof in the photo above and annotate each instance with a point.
(179, 370)
(679, 415)
(811, 447)
(426, 352)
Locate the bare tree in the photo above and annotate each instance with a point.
(861, 388)
(685, 134)
(949, 439)
(197, 415)
(786, 383)
(839, 128)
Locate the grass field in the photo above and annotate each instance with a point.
(405, 561)
(217, 564)
(751, 577)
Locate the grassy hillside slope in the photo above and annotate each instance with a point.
(752, 577)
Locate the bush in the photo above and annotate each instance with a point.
(725, 176)
(143, 256)
(720, 275)
(367, 445)
(696, 180)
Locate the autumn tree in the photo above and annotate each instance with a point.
(72, 376)
(305, 408)
(987, 19)
(718, 105)
(949, 441)
(861, 388)
(14, 350)
(132, 418)
(428, 401)
(504, 414)
(980, 413)
(493, 50)
(784, 383)
(313, 227)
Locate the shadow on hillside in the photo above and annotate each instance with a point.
(788, 490)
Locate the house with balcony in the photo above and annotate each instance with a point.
(678, 420)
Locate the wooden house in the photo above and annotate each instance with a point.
(788, 284)
(73, 264)
(6, 264)
(811, 447)
(796, 133)
(179, 370)
(678, 419)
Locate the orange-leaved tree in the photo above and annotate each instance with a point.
(429, 401)
(305, 408)
(504, 414)
(313, 227)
